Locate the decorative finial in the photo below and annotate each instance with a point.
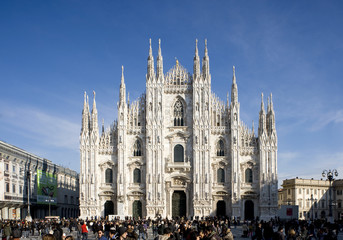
(94, 94)
(262, 103)
(150, 49)
(122, 75)
(205, 47)
(233, 75)
(268, 100)
(159, 48)
(196, 47)
(177, 61)
(85, 100)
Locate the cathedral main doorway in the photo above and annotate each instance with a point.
(179, 202)
(221, 209)
(109, 208)
(137, 209)
(249, 210)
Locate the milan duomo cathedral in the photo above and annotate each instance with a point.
(178, 150)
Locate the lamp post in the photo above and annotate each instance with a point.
(312, 199)
(28, 175)
(49, 206)
(330, 174)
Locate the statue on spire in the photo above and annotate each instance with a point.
(150, 68)
(196, 63)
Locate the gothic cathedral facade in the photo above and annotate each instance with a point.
(178, 151)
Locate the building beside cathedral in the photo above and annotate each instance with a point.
(34, 187)
(178, 151)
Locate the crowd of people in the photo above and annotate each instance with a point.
(210, 228)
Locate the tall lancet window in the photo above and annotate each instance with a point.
(178, 114)
(137, 175)
(220, 175)
(137, 148)
(179, 153)
(220, 148)
(248, 175)
(108, 175)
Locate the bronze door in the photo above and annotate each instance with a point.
(249, 210)
(109, 208)
(137, 209)
(221, 208)
(179, 204)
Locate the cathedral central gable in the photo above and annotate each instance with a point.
(178, 75)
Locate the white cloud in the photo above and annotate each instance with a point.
(287, 157)
(40, 126)
(326, 118)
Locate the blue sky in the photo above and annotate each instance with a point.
(53, 51)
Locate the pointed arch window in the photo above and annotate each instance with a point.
(178, 153)
(248, 175)
(109, 175)
(137, 175)
(220, 148)
(137, 148)
(178, 113)
(139, 120)
(220, 175)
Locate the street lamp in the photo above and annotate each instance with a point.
(330, 174)
(312, 199)
(49, 205)
(28, 175)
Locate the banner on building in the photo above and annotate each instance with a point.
(46, 188)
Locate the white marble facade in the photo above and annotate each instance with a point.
(178, 144)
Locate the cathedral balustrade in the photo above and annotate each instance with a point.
(106, 150)
(137, 185)
(106, 186)
(218, 130)
(135, 130)
(177, 89)
(178, 166)
(248, 150)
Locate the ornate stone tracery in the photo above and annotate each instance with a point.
(178, 76)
